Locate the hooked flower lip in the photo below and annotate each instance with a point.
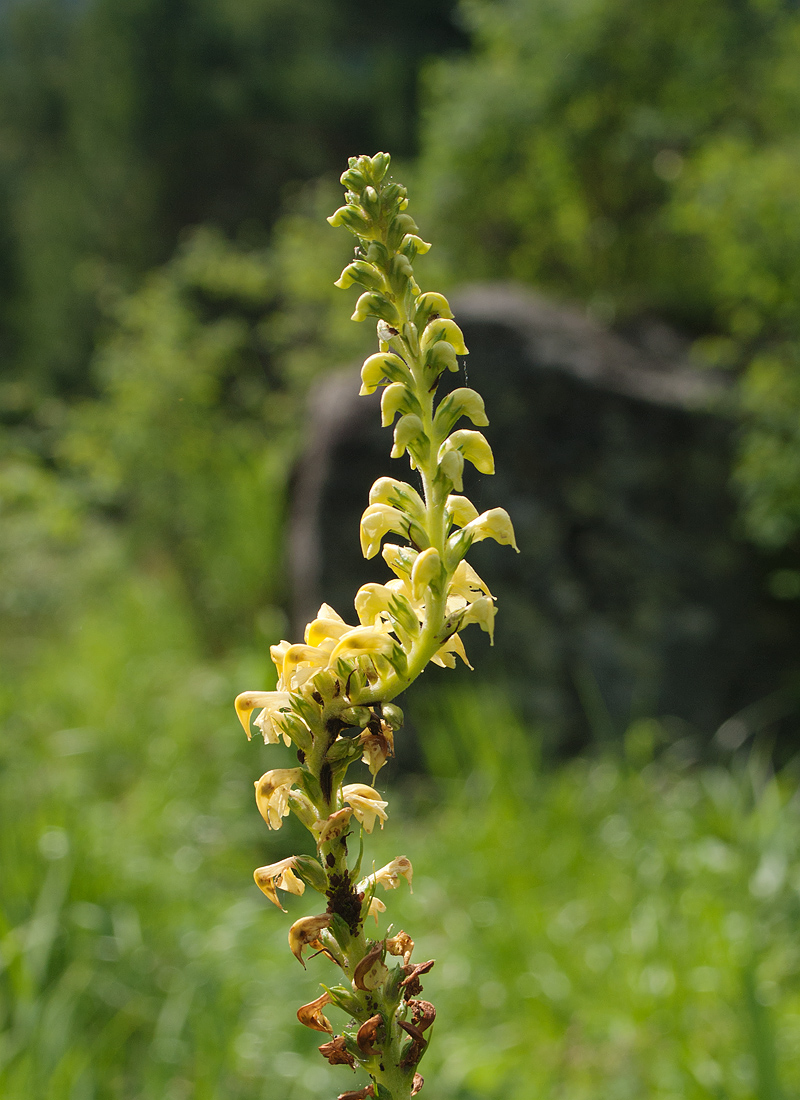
(305, 932)
(272, 704)
(389, 876)
(272, 794)
(311, 1014)
(279, 876)
(367, 804)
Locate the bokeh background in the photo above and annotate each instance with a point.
(615, 912)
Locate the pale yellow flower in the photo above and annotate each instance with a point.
(279, 876)
(446, 655)
(330, 828)
(426, 569)
(389, 876)
(305, 933)
(376, 906)
(377, 521)
(467, 583)
(272, 794)
(363, 641)
(367, 804)
(495, 524)
(273, 703)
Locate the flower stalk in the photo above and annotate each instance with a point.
(334, 698)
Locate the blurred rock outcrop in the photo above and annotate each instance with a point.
(632, 595)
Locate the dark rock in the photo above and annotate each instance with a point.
(633, 595)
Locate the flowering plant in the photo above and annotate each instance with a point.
(335, 695)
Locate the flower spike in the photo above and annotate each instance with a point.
(336, 689)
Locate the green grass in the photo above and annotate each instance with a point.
(601, 930)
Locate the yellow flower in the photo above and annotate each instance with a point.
(426, 569)
(273, 703)
(376, 906)
(327, 625)
(367, 804)
(332, 827)
(279, 876)
(363, 640)
(494, 524)
(467, 583)
(305, 933)
(389, 876)
(272, 794)
(445, 656)
(377, 521)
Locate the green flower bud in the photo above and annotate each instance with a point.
(378, 254)
(309, 870)
(379, 166)
(343, 750)
(393, 715)
(451, 468)
(440, 357)
(461, 402)
(327, 684)
(361, 272)
(306, 708)
(394, 194)
(409, 435)
(397, 398)
(473, 446)
(375, 305)
(345, 999)
(401, 225)
(380, 367)
(398, 494)
(411, 337)
(352, 218)
(296, 729)
(356, 716)
(353, 180)
(400, 559)
(428, 304)
(370, 201)
(403, 613)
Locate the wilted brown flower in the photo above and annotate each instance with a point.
(368, 1034)
(411, 982)
(311, 1014)
(337, 1053)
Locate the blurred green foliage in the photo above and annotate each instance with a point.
(624, 926)
(124, 121)
(642, 159)
(638, 936)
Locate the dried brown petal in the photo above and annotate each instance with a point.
(370, 972)
(418, 1082)
(311, 1014)
(368, 1034)
(401, 944)
(411, 982)
(411, 1030)
(337, 1053)
(423, 1014)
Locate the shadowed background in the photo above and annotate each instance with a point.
(603, 816)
